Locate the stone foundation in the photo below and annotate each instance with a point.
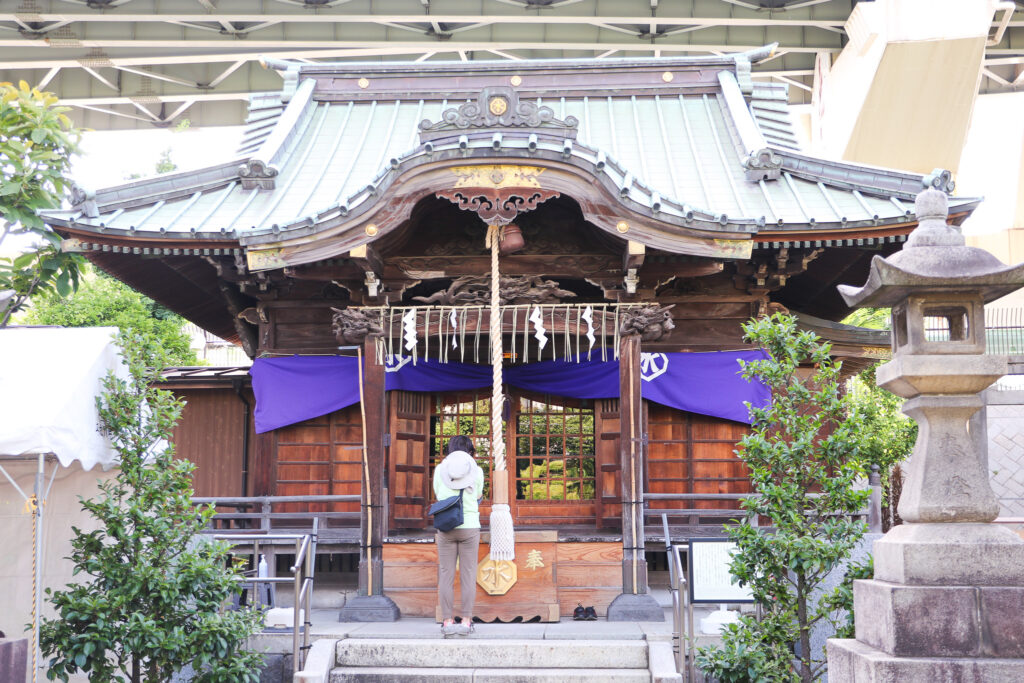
(853, 661)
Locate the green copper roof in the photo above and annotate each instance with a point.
(724, 158)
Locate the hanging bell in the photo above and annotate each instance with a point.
(511, 239)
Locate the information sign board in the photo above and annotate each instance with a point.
(710, 580)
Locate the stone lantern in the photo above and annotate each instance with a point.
(948, 592)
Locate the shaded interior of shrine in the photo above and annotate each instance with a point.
(564, 467)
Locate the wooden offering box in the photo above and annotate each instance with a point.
(553, 578)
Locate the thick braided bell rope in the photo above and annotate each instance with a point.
(503, 545)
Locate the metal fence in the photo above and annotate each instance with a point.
(1004, 331)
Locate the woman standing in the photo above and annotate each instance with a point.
(459, 473)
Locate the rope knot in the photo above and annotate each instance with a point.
(31, 504)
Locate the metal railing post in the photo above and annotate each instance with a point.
(297, 575)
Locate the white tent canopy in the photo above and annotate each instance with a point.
(49, 380)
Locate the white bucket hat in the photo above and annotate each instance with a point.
(458, 470)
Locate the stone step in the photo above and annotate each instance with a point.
(473, 653)
(487, 675)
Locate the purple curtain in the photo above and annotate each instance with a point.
(705, 383)
(297, 388)
(289, 390)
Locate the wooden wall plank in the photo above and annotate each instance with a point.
(587, 553)
(211, 435)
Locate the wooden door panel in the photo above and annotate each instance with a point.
(609, 465)
(347, 457)
(691, 453)
(408, 460)
(321, 456)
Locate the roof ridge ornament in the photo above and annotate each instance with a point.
(289, 71)
(257, 174)
(763, 164)
(745, 60)
(84, 200)
(498, 106)
(940, 179)
(743, 77)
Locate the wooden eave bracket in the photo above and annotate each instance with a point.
(372, 265)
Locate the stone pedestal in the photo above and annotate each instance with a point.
(947, 599)
(635, 607)
(852, 660)
(946, 604)
(369, 608)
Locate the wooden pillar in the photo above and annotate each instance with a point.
(264, 466)
(634, 604)
(371, 567)
(631, 439)
(371, 604)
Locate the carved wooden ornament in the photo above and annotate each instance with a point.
(499, 106)
(496, 577)
(497, 193)
(352, 325)
(650, 322)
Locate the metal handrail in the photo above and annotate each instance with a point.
(682, 645)
(302, 579)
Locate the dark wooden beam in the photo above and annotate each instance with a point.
(563, 265)
(634, 255)
(374, 519)
(367, 258)
(334, 269)
(631, 430)
(635, 603)
(371, 604)
(265, 464)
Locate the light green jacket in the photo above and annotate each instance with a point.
(470, 504)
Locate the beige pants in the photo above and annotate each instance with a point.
(462, 544)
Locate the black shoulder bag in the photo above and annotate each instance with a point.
(447, 513)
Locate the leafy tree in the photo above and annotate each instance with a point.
(804, 458)
(153, 597)
(102, 300)
(36, 144)
(888, 437)
(874, 318)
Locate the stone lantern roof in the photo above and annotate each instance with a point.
(935, 258)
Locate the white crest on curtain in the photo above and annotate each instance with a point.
(395, 362)
(538, 325)
(652, 365)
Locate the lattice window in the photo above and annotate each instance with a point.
(468, 414)
(554, 451)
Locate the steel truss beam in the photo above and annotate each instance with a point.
(142, 62)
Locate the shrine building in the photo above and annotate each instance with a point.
(635, 211)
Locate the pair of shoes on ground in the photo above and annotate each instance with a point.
(457, 629)
(582, 613)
